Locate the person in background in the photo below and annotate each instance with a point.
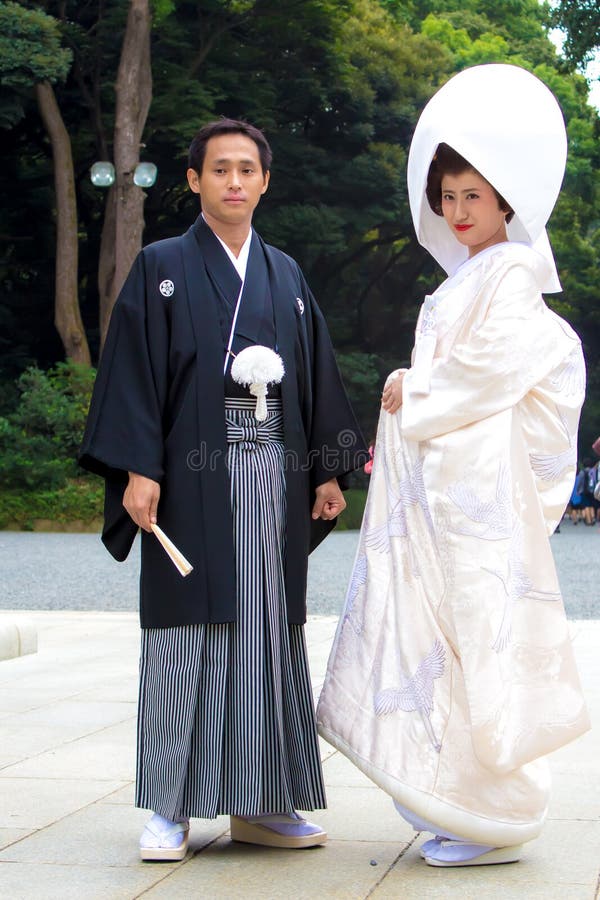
(595, 496)
(574, 505)
(586, 485)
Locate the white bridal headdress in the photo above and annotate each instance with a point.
(509, 126)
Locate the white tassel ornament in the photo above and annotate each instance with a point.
(257, 367)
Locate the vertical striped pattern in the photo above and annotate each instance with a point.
(226, 716)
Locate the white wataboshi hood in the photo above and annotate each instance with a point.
(509, 126)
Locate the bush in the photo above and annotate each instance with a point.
(40, 438)
(351, 518)
(39, 441)
(78, 505)
(363, 380)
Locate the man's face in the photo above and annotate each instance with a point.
(231, 182)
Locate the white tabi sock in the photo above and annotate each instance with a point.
(161, 832)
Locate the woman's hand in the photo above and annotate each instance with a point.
(391, 399)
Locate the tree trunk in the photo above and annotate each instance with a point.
(67, 315)
(106, 263)
(124, 214)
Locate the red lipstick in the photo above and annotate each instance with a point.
(463, 227)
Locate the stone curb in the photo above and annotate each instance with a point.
(17, 638)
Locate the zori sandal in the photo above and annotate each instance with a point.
(287, 832)
(425, 848)
(164, 841)
(461, 853)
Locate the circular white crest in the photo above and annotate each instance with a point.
(300, 305)
(166, 287)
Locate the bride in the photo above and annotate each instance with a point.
(452, 673)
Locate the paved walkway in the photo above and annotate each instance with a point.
(68, 828)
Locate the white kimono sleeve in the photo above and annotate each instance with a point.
(491, 367)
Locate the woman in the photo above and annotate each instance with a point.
(452, 674)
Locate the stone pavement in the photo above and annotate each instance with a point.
(68, 828)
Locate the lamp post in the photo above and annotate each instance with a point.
(102, 174)
(123, 221)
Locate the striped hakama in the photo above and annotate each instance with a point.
(226, 716)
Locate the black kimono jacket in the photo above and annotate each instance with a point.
(158, 410)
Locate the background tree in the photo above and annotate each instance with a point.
(124, 214)
(31, 54)
(338, 86)
(516, 31)
(579, 20)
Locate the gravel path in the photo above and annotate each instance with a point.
(74, 571)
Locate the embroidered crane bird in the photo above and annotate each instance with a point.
(570, 377)
(409, 491)
(358, 578)
(550, 467)
(416, 691)
(495, 514)
(517, 585)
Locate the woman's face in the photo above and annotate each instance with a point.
(471, 209)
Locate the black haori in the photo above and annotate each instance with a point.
(226, 714)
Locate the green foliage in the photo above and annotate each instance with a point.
(161, 9)
(589, 428)
(580, 21)
(40, 438)
(338, 86)
(77, 505)
(351, 518)
(514, 32)
(362, 377)
(11, 108)
(30, 47)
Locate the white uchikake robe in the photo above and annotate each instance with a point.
(452, 673)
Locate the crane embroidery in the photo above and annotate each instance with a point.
(570, 377)
(409, 491)
(358, 579)
(415, 693)
(492, 519)
(517, 585)
(550, 467)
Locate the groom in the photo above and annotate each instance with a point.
(226, 719)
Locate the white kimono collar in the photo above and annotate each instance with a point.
(442, 309)
(240, 263)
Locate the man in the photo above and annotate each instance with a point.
(226, 719)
